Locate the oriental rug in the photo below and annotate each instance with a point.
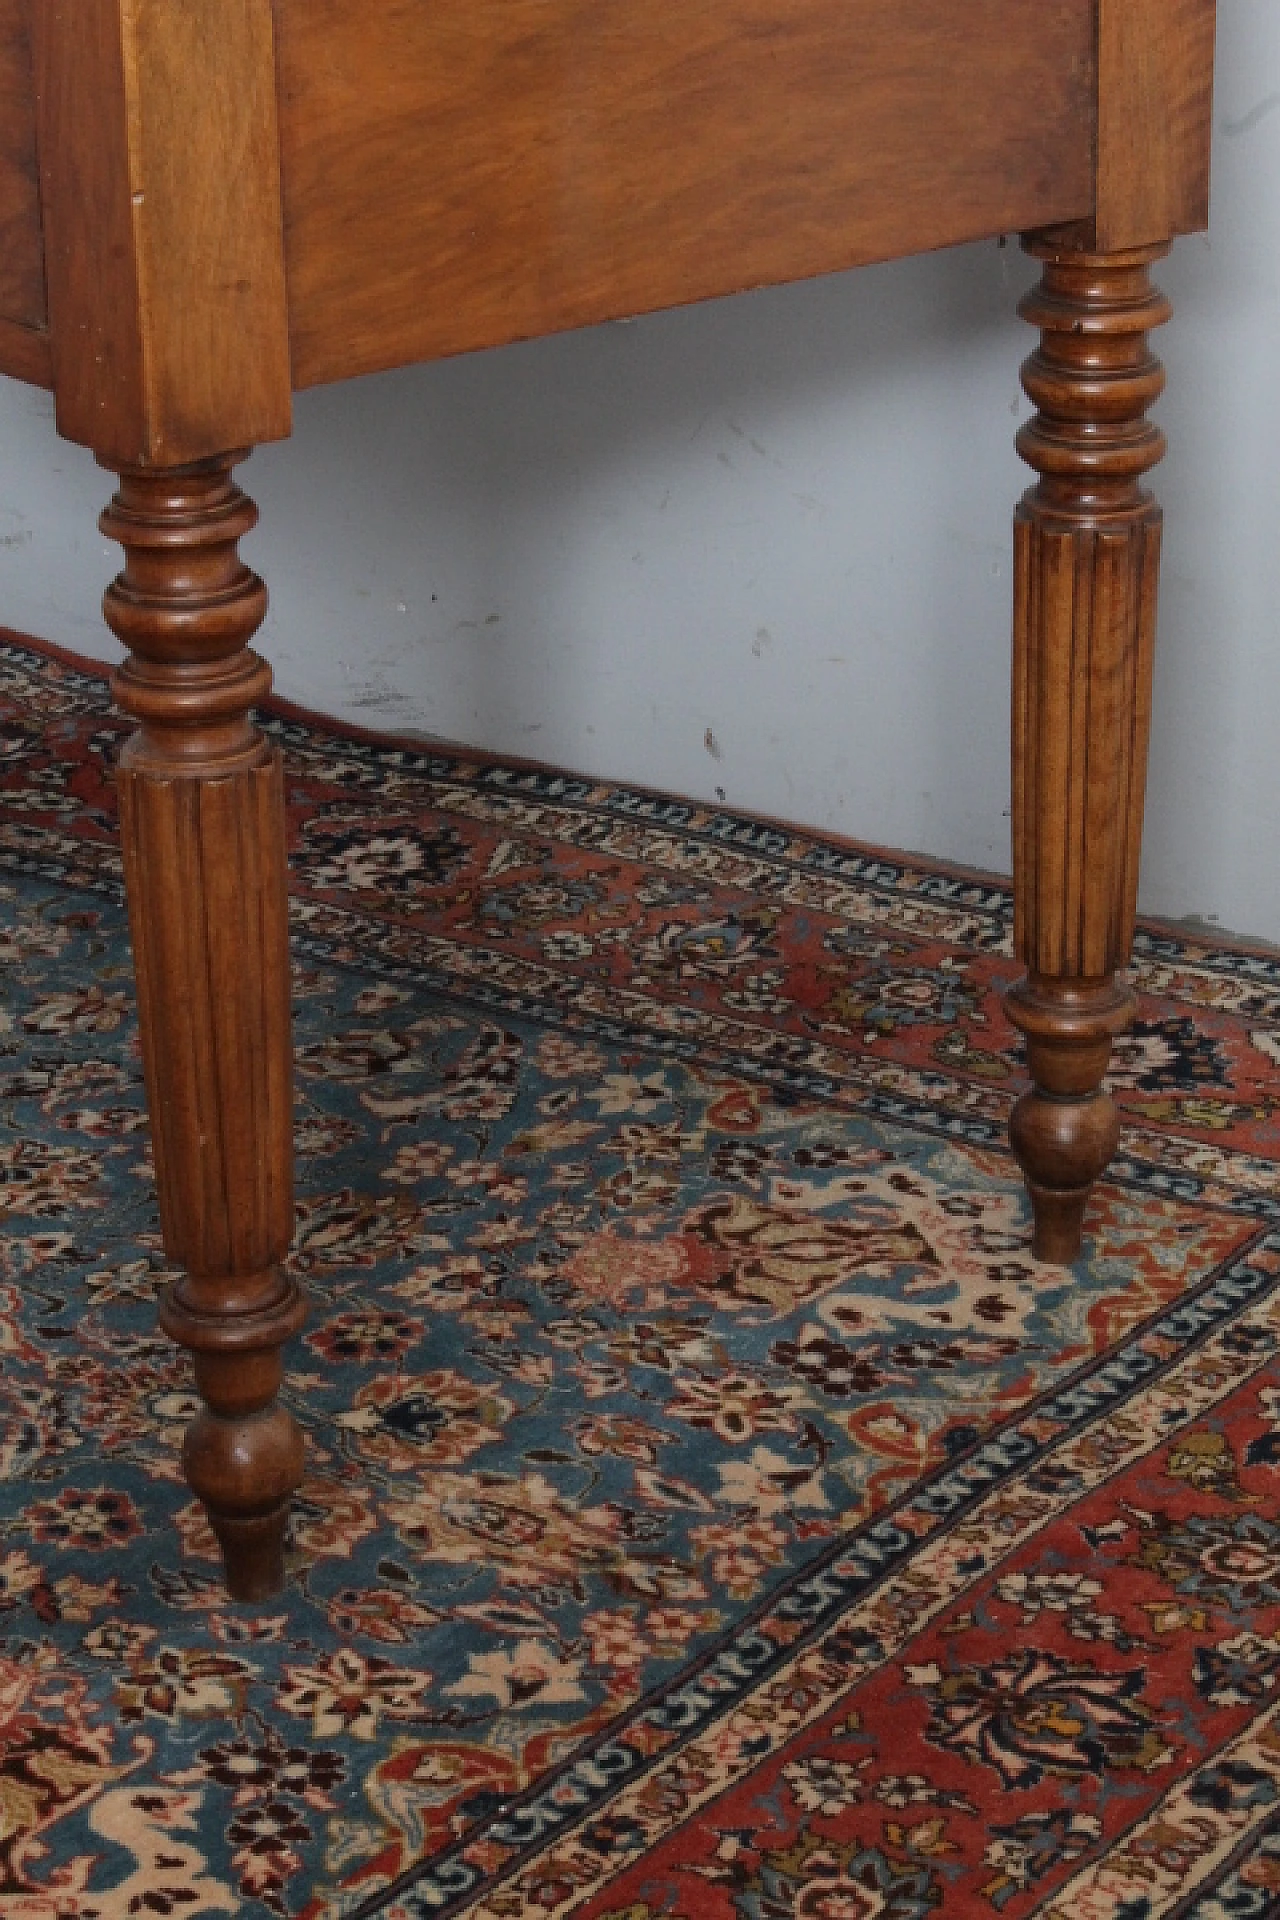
(712, 1510)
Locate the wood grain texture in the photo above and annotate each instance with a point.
(1082, 724)
(160, 181)
(1087, 559)
(1155, 104)
(25, 353)
(202, 831)
(456, 176)
(22, 299)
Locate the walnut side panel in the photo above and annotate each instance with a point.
(22, 301)
(471, 172)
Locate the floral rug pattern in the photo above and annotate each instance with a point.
(711, 1508)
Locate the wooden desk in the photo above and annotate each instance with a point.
(237, 198)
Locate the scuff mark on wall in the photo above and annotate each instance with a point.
(1247, 122)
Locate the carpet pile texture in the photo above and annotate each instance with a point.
(712, 1510)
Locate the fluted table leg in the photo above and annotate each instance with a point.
(1086, 568)
(202, 821)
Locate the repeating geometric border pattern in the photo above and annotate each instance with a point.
(810, 1624)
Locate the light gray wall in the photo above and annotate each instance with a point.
(760, 549)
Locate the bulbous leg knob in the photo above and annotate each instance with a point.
(1087, 557)
(202, 832)
(1065, 1128)
(243, 1454)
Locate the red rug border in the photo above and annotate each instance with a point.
(1187, 935)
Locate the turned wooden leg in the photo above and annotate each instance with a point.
(1087, 561)
(202, 822)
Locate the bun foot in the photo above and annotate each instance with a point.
(1065, 1128)
(244, 1462)
(244, 1472)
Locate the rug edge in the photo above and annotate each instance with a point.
(293, 710)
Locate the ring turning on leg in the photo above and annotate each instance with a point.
(202, 824)
(1086, 566)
